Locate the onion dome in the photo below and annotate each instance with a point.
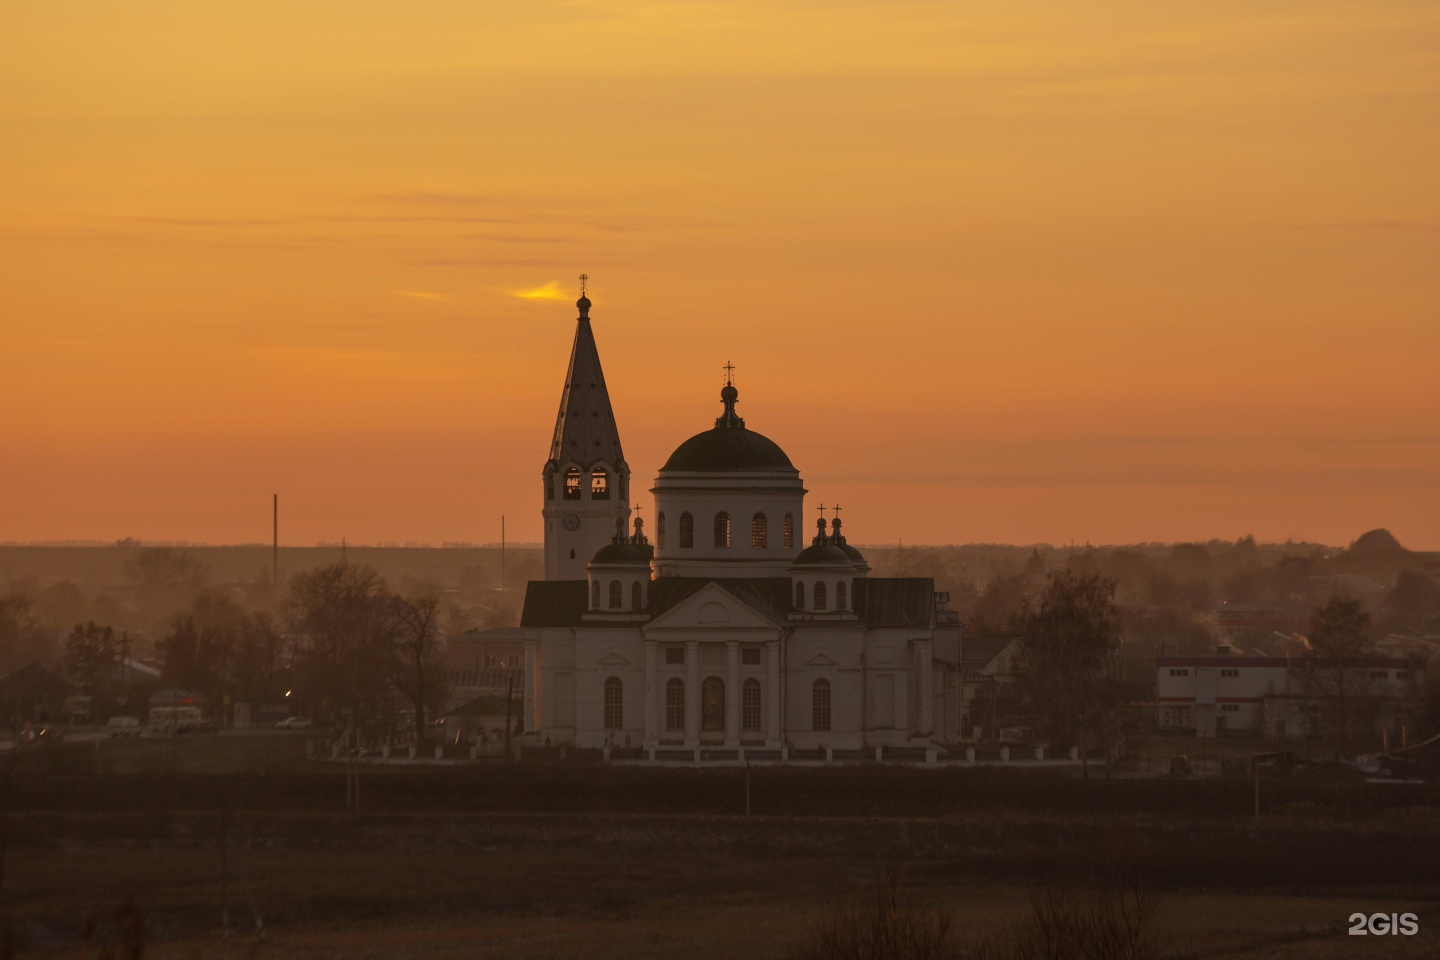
(729, 446)
(822, 552)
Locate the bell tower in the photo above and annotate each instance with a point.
(587, 481)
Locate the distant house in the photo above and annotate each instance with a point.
(485, 663)
(989, 696)
(1225, 693)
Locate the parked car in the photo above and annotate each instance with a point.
(294, 723)
(123, 726)
(207, 725)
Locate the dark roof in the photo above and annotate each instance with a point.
(980, 649)
(726, 449)
(554, 603)
(895, 601)
(879, 602)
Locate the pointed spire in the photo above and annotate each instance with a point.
(585, 429)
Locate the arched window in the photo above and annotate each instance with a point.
(799, 596)
(675, 704)
(599, 485)
(788, 532)
(660, 531)
(820, 596)
(759, 535)
(750, 705)
(722, 529)
(840, 595)
(572, 484)
(635, 595)
(594, 594)
(712, 704)
(820, 705)
(614, 704)
(687, 530)
(615, 594)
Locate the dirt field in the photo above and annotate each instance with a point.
(541, 861)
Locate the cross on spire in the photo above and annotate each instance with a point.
(729, 369)
(637, 508)
(836, 508)
(584, 278)
(821, 508)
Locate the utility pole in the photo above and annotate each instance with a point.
(502, 553)
(275, 541)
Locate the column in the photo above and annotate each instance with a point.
(732, 693)
(771, 700)
(692, 692)
(532, 687)
(926, 666)
(650, 705)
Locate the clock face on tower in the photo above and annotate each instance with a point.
(571, 521)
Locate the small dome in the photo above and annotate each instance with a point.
(584, 304)
(624, 553)
(822, 554)
(855, 556)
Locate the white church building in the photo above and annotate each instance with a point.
(730, 632)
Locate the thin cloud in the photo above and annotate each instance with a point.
(422, 295)
(551, 291)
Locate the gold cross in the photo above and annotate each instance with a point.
(729, 373)
(583, 278)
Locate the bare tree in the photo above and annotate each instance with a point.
(344, 633)
(1065, 651)
(1337, 677)
(419, 670)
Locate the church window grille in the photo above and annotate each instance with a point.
(750, 705)
(675, 656)
(750, 656)
(787, 532)
(572, 484)
(660, 531)
(635, 595)
(820, 596)
(614, 704)
(599, 485)
(615, 594)
(687, 530)
(722, 529)
(820, 705)
(759, 534)
(799, 596)
(594, 594)
(712, 704)
(840, 595)
(675, 705)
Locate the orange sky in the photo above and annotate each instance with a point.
(1105, 271)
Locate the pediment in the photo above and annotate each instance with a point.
(613, 659)
(822, 659)
(712, 607)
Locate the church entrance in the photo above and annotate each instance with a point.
(712, 705)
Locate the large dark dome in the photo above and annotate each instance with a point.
(728, 448)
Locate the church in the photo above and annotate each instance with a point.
(726, 631)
